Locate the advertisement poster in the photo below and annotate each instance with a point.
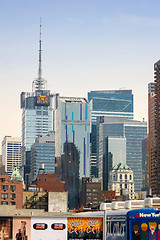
(48, 228)
(5, 228)
(84, 228)
(21, 228)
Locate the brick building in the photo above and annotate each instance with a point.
(92, 195)
(11, 192)
(49, 183)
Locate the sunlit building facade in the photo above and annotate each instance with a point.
(113, 103)
(134, 132)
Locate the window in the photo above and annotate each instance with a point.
(130, 177)
(4, 187)
(95, 190)
(4, 195)
(120, 176)
(13, 187)
(12, 203)
(2, 179)
(12, 195)
(125, 176)
(125, 185)
(120, 185)
(4, 203)
(114, 177)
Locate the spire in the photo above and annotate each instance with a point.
(40, 50)
(39, 83)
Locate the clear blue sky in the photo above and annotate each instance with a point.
(87, 45)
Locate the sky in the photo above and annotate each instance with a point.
(86, 45)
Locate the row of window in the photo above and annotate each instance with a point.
(5, 187)
(121, 176)
(6, 203)
(5, 195)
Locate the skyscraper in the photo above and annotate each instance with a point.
(72, 144)
(114, 153)
(154, 131)
(11, 153)
(73, 126)
(37, 114)
(134, 132)
(43, 153)
(113, 103)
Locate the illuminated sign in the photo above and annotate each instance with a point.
(42, 100)
(58, 226)
(40, 226)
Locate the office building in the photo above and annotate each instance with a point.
(72, 144)
(113, 103)
(73, 126)
(37, 114)
(154, 131)
(11, 153)
(70, 162)
(43, 155)
(114, 153)
(134, 132)
(120, 178)
(145, 170)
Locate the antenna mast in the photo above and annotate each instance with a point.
(39, 83)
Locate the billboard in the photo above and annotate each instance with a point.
(6, 228)
(42, 100)
(84, 228)
(21, 228)
(48, 228)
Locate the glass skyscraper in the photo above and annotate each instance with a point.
(134, 132)
(43, 154)
(114, 152)
(113, 103)
(37, 114)
(73, 126)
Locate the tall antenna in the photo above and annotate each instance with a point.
(39, 83)
(40, 50)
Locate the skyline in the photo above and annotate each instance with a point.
(86, 46)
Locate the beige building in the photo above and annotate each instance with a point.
(121, 179)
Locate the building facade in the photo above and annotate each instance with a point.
(120, 178)
(43, 154)
(134, 132)
(73, 126)
(113, 103)
(92, 195)
(11, 153)
(11, 192)
(154, 132)
(114, 152)
(151, 137)
(145, 169)
(37, 114)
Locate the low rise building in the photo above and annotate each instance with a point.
(92, 195)
(11, 192)
(120, 179)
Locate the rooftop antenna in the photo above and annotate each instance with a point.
(39, 83)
